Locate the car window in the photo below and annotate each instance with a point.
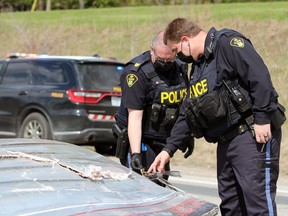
(52, 72)
(18, 73)
(100, 76)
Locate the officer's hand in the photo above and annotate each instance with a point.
(136, 161)
(159, 163)
(262, 133)
(190, 148)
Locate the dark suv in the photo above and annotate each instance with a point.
(66, 98)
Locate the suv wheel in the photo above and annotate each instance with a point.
(35, 126)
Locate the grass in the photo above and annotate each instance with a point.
(126, 32)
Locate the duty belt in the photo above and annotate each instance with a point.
(237, 130)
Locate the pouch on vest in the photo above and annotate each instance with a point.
(171, 115)
(193, 123)
(212, 108)
(155, 112)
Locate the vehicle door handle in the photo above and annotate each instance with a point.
(23, 93)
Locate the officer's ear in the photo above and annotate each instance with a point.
(151, 49)
(185, 38)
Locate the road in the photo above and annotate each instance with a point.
(206, 188)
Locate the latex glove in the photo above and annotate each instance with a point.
(190, 148)
(136, 161)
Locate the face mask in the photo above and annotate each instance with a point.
(184, 58)
(163, 66)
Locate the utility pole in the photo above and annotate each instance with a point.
(81, 4)
(48, 5)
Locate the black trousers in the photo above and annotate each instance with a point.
(247, 175)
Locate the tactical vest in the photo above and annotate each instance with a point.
(161, 112)
(210, 111)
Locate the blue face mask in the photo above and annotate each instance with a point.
(184, 58)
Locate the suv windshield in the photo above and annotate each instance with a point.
(96, 76)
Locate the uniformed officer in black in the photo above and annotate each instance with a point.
(233, 103)
(153, 87)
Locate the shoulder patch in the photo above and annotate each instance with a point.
(131, 79)
(137, 64)
(237, 42)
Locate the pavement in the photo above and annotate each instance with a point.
(203, 183)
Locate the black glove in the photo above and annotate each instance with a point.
(190, 148)
(136, 161)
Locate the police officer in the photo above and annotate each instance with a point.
(153, 87)
(234, 103)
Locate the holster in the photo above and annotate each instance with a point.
(122, 145)
(278, 117)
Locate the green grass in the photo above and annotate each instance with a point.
(251, 11)
(126, 32)
(112, 17)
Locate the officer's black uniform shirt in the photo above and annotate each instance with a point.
(137, 90)
(235, 57)
(135, 87)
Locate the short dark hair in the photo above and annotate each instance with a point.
(180, 27)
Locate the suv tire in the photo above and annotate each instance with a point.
(35, 126)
